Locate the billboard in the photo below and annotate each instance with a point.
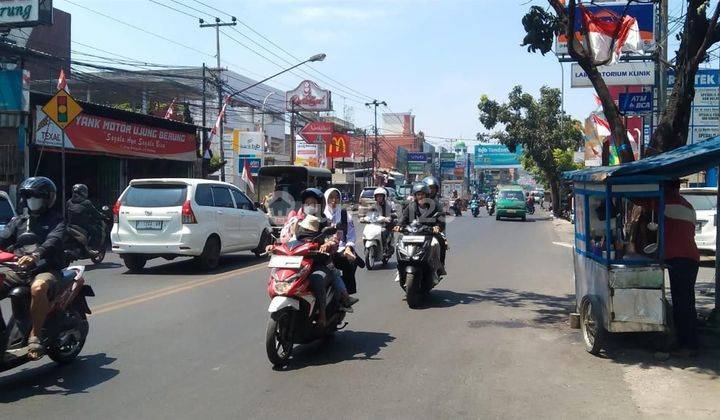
(496, 156)
(25, 13)
(247, 142)
(255, 163)
(643, 13)
(11, 90)
(306, 154)
(620, 74)
(704, 120)
(338, 147)
(308, 96)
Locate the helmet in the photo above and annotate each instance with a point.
(419, 187)
(431, 181)
(380, 191)
(81, 190)
(39, 188)
(313, 192)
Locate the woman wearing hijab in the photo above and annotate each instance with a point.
(345, 259)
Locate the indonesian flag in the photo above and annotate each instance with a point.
(608, 36)
(170, 113)
(247, 176)
(602, 127)
(62, 81)
(216, 127)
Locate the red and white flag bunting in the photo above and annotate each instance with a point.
(603, 30)
(170, 113)
(602, 127)
(62, 81)
(216, 128)
(247, 176)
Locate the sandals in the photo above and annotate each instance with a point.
(36, 350)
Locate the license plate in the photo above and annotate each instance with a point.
(148, 225)
(511, 211)
(284, 261)
(413, 239)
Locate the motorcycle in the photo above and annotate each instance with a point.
(415, 273)
(456, 208)
(293, 315)
(375, 249)
(66, 326)
(77, 248)
(475, 208)
(490, 206)
(530, 207)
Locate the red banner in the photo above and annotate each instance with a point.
(339, 146)
(107, 135)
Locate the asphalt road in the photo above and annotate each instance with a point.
(493, 341)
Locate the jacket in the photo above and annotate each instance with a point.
(430, 216)
(50, 229)
(82, 212)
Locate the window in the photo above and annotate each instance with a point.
(6, 212)
(512, 195)
(203, 195)
(155, 195)
(241, 200)
(222, 197)
(367, 193)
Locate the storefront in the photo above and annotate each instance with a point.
(107, 147)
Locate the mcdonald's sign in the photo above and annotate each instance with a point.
(338, 147)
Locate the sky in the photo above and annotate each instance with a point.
(433, 58)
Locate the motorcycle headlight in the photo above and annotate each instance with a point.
(281, 287)
(419, 255)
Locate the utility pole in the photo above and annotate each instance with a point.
(376, 143)
(218, 23)
(661, 42)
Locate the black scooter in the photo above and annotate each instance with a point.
(78, 245)
(66, 326)
(415, 272)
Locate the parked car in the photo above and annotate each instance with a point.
(171, 217)
(7, 210)
(367, 199)
(704, 201)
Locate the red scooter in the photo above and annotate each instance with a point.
(293, 313)
(66, 325)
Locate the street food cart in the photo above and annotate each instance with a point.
(618, 250)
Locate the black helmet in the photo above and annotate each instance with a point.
(81, 190)
(313, 192)
(38, 187)
(419, 187)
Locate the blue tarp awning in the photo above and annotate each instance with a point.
(674, 164)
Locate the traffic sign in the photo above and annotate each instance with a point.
(417, 157)
(62, 109)
(636, 102)
(317, 132)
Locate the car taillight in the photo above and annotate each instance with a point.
(116, 211)
(188, 217)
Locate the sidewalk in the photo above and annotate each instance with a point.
(660, 385)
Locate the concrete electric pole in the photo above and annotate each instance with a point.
(376, 143)
(218, 23)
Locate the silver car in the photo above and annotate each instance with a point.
(7, 210)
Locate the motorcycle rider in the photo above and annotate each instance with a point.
(38, 195)
(434, 194)
(385, 209)
(346, 258)
(82, 213)
(423, 210)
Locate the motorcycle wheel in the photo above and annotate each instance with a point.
(100, 256)
(412, 295)
(370, 256)
(71, 342)
(278, 339)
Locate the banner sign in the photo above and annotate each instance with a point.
(415, 168)
(338, 147)
(254, 162)
(447, 156)
(247, 142)
(317, 132)
(417, 157)
(635, 73)
(308, 96)
(109, 136)
(25, 13)
(643, 13)
(636, 103)
(306, 154)
(704, 122)
(496, 156)
(11, 90)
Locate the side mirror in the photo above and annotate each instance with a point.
(105, 208)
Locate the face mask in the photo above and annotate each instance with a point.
(310, 209)
(34, 204)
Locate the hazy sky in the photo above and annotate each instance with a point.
(432, 57)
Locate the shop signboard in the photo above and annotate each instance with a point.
(308, 96)
(496, 156)
(338, 147)
(25, 13)
(620, 74)
(417, 157)
(110, 136)
(306, 154)
(705, 115)
(642, 12)
(636, 102)
(248, 142)
(11, 90)
(317, 132)
(447, 156)
(255, 163)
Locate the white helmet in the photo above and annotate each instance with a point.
(380, 191)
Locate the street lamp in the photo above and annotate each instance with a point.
(314, 58)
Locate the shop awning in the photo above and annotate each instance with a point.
(674, 164)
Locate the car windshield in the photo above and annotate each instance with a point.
(6, 212)
(155, 195)
(701, 201)
(512, 195)
(367, 193)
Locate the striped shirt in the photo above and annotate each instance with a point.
(679, 228)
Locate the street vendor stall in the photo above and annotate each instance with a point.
(619, 249)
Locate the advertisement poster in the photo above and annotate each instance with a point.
(496, 156)
(247, 142)
(306, 154)
(107, 135)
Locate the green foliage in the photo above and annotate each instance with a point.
(215, 164)
(541, 27)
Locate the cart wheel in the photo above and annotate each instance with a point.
(591, 325)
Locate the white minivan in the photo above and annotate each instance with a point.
(704, 201)
(170, 217)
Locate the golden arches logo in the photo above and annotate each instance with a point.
(337, 146)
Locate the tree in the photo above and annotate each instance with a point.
(545, 133)
(698, 34)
